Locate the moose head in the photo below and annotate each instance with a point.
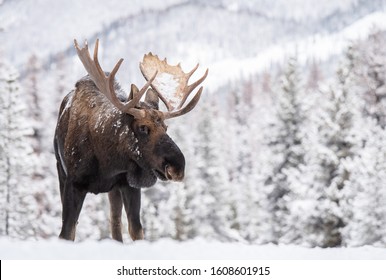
(108, 142)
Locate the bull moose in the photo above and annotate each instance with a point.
(107, 141)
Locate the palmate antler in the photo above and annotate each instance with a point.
(171, 84)
(105, 83)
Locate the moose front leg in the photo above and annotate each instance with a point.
(72, 201)
(132, 201)
(116, 205)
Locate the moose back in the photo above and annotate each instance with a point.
(107, 141)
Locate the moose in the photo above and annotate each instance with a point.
(108, 141)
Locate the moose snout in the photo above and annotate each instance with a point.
(173, 160)
(174, 165)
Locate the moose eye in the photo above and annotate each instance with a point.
(144, 129)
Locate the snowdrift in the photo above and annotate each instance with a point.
(166, 249)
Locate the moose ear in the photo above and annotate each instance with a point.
(134, 90)
(152, 99)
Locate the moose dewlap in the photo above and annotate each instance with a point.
(107, 141)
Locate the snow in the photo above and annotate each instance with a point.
(167, 85)
(318, 46)
(231, 160)
(68, 105)
(67, 18)
(166, 249)
(225, 62)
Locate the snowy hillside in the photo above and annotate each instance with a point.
(167, 249)
(319, 46)
(208, 32)
(44, 27)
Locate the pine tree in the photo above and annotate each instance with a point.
(371, 76)
(215, 202)
(325, 164)
(258, 217)
(332, 140)
(34, 106)
(364, 196)
(315, 76)
(187, 195)
(238, 160)
(285, 144)
(150, 215)
(181, 216)
(16, 160)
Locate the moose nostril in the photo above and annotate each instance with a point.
(172, 174)
(168, 172)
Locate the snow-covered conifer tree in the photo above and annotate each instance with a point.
(177, 213)
(171, 209)
(371, 76)
(151, 216)
(364, 195)
(238, 154)
(362, 198)
(258, 217)
(216, 198)
(336, 141)
(18, 205)
(285, 143)
(315, 75)
(34, 102)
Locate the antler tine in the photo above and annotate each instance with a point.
(106, 83)
(191, 87)
(137, 96)
(96, 48)
(187, 108)
(96, 60)
(192, 71)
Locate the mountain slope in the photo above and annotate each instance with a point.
(192, 31)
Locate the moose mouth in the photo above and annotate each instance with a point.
(160, 175)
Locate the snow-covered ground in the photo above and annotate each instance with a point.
(167, 249)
